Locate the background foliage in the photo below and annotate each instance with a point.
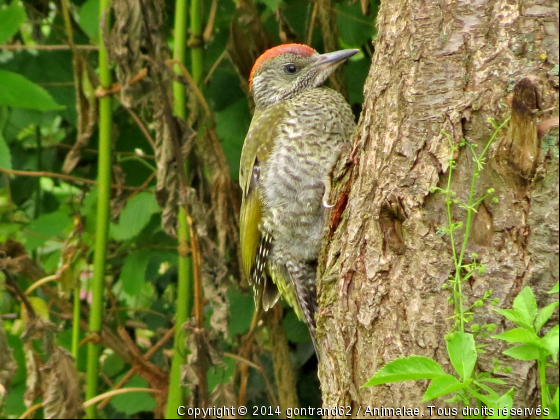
(48, 194)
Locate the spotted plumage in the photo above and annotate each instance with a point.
(295, 137)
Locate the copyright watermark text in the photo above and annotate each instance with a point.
(216, 412)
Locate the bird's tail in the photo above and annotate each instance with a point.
(303, 275)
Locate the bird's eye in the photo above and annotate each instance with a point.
(290, 68)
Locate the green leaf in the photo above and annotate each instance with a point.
(494, 401)
(462, 353)
(45, 228)
(5, 156)
(231, 125)
(550, 341)
(272, 4)
(544, 315)
(554, 289)
(17, 91)
(514, 316)
(221, 374)
(406, 369)
(523, 352)
(112, 365)
(52, 68)
(526, 305)
(11, 19)
(355, 70)
(505, 400)
(555, 406)
(492, 381)
(16, 344)
(490, 400)
(296, 330)
(134, 271)
(13, 402)
(519, 335)
(134, 402)
(354, 28)
(134, 217)
(443, 385)
(89, 18)
(242, 305)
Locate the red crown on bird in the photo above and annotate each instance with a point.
(298, 49)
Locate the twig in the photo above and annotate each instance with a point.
(142, 127)
(144, 185)
(242, 360)
(17, 290)
(211, 19)
(156, 376)
(47, 47)
(111, 394)
(40, 282)
(215, 66)
(65, 178)
(312, 23)
(270, 390)
(192, 85)
(132, 371)
(254, 366)
(96, 152)
(101, 92)
(56, 84)
(30, 410)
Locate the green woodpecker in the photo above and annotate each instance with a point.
(296, 135)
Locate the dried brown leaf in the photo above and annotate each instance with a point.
(188, 376)
(8, 365)
(61, 387)
(248, 39)
(126, 41)
(86, 108)
(33, 380)
(14, 258)
(223, 396)
(285, 32)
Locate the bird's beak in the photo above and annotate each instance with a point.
(332, 59)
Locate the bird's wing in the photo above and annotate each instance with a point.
(255, 245)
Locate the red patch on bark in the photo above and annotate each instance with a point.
(338, 209)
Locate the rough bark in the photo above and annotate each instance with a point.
(450, 65)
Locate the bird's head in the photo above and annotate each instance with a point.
(286, 70)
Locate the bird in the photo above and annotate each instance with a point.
(298, 130)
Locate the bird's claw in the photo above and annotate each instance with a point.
(326, 203)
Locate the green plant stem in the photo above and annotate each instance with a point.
(185, 269)
(478, 167)
(545, 396)
(458, 280)
(39, 144)
(197, 69)
(457, 301)
(179, 50)
(138, 159)
(184, 308)
(76, 323)
(102, 222)
(196, 41)
(496, 131)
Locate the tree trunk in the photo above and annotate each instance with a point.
(440, 65)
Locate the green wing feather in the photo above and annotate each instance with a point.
(256, 150)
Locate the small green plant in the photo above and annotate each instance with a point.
(462, 349)
(533, 347)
